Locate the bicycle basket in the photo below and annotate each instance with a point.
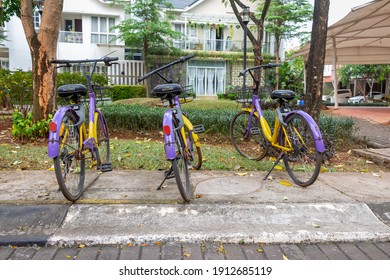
(188, 94)
(243, 96)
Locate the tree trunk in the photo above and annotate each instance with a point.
(315, 62)
(43, 48)
(257, 41)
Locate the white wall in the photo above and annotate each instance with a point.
(19, 54)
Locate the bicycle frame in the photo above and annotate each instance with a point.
(273, 138)
(169, 137)
(91, 141)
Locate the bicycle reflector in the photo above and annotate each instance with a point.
(167, 129)
(53, 127)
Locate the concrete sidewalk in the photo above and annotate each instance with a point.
(124, 206)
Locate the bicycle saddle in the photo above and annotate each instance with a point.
(72, 90)
(283, 93)
(167, 90)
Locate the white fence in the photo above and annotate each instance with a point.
(126, 72)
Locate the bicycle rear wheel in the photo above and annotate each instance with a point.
(195, 153)
(248, 141)
(103, 141)
(303, 163)
(180, 168)
(69, 165)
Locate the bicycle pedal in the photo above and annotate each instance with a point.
(106, 167)
(255, 130)
(199, 128)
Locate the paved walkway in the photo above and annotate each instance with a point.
(344, 214)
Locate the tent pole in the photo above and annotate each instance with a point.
(335, 83)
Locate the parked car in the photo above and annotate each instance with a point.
(375, 95)
(342, 96)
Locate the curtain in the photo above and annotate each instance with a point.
(200, 77)
(210, 81)
(220, 79)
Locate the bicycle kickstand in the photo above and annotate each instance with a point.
(275, 163)
(168, 175)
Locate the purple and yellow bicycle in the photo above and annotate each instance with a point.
(295, 134)
(181, 141)
(71, 141)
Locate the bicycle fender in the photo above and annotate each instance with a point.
(54, 137)
(169, 139)
(314, 128)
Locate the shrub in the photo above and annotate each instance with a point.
(125, 92)
(65, 78)
(23, 128)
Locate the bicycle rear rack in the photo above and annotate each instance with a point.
(199, 128)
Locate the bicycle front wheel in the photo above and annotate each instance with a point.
(303, 162)
(248, 141)
(69, 165)
(103, 140)
(195, 153)
(180, 168)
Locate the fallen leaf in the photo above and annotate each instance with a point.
(368, 161)
(187, 255)
(323, 169)
(285, 183)
(285, 198)
(158, 243)
(199, 196)
(285, 258)
(242, 174)
(119, 158)
(376, 175)
(338, 166)
(278, 167)
(349, 152)
(130, 244)
(81, 246)
(260, 250)
(314, 225)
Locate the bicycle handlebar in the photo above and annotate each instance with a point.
(107, 61)
(269, 65)
(180, 60)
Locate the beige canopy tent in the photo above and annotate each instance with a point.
(361, 37)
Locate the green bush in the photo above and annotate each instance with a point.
(126, 92)
(23, 128)
(65, 78)
(17, 87)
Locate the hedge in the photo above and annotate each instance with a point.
(125, 92)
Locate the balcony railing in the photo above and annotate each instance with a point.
(210, 45)
(71, 37)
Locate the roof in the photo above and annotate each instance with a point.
(361, 37)
(181, 4)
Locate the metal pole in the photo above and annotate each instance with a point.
(244, 78)
(335, 83)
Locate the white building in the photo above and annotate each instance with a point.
(84, 33)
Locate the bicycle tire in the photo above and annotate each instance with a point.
(103, 140)
(303, 163)
(69, 165)
(254, 146)
(180, 167)
(195, 153)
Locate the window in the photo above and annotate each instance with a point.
(101, 30)
(207, 78)
(36, 19)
